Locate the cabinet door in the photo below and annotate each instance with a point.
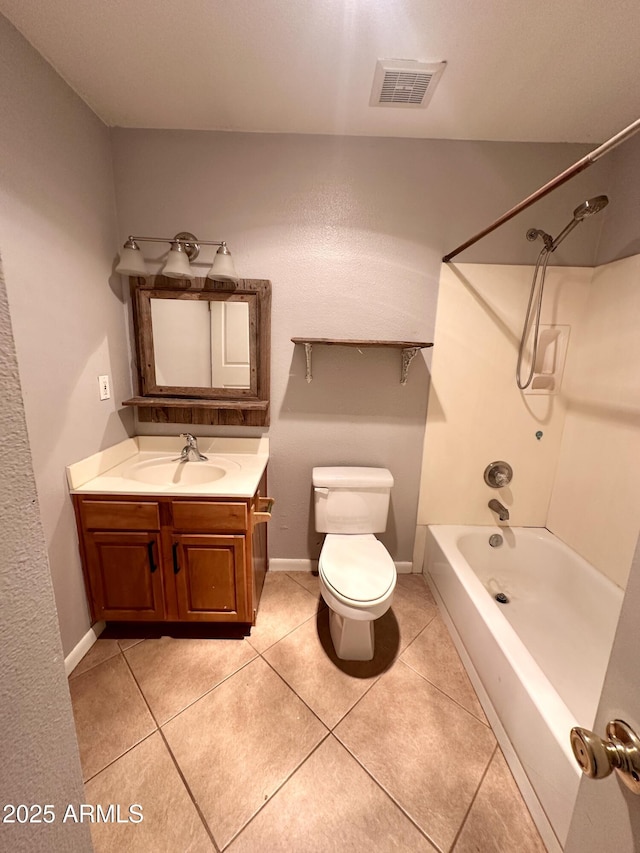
(210, 578)
(125, 575)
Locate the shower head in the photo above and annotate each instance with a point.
(592, 205)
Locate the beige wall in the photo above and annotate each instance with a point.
(57, 236)
(595, 505)
(476, 413)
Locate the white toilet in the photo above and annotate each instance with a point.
(357, 574)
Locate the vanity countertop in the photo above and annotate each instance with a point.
(149, 465)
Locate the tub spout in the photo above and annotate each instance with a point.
(496, 506)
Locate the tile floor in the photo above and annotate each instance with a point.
(270, 743)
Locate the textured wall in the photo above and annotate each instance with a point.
(351, 232)
(40, 761)
(620, 234)
(57, 235)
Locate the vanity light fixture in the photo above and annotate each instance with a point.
(185, 248)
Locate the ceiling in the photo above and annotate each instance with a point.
(542, 71)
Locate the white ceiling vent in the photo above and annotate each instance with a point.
(404, 83)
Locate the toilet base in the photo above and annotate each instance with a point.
(352, 638)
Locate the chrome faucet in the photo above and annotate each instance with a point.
(496, 506)
(191, 446)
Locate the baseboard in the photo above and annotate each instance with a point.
(283, 565)
(79, 651)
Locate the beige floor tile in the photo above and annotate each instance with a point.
(308, 580)
(498, 820)
(306, 660)
(100, 651)
(146, 775)
(404, 732)
(110, 714)
(173, 673)
(330, 804)
(433, 655)
(239, 743)
(284, 605)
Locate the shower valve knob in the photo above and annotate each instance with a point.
(598, 758)
(498, 474)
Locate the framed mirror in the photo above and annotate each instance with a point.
(202, 345)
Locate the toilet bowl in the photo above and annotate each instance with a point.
(357, 580)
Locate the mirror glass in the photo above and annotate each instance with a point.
(204, 341)
(201, 343)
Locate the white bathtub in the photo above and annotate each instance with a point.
(538, 662)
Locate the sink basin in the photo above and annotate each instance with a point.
(173, 472)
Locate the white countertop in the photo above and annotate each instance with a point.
(106, 472)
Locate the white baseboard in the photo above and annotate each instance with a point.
(79, 651)
(283, 565)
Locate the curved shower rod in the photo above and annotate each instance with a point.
(579, 166)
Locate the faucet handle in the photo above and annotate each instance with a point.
(498, 474)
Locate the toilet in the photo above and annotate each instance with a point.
(357, 574)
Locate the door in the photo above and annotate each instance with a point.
(230, 349)
(125, 575)
(209, 571)
(607, 815)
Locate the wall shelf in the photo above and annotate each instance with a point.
(409, 350)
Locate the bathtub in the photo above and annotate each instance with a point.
(537, 662)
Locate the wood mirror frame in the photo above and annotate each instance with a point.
(201, 405)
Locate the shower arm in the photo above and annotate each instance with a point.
(562, 178)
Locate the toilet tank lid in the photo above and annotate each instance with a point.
(354, 478)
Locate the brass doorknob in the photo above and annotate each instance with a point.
(598, 758)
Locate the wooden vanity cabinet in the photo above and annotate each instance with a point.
(172, 559)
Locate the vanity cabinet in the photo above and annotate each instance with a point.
(172, 559)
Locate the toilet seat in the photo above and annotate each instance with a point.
(357, 569)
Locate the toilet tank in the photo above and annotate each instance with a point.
(351, 500)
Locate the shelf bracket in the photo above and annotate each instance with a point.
(307, 354)
(408, 354)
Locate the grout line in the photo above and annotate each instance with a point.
(389, 795)
(453, 699)
(473, 799)
(275, 642)
(289, 687)
(210, 690)
(72, 677)
(189, 792)
(278, 789)
(113, 761)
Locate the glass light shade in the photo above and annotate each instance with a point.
(132, 262)
(177, 265)
(223, 268)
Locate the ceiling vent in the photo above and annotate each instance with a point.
(404, 83)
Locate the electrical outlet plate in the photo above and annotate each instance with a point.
(105, 390)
